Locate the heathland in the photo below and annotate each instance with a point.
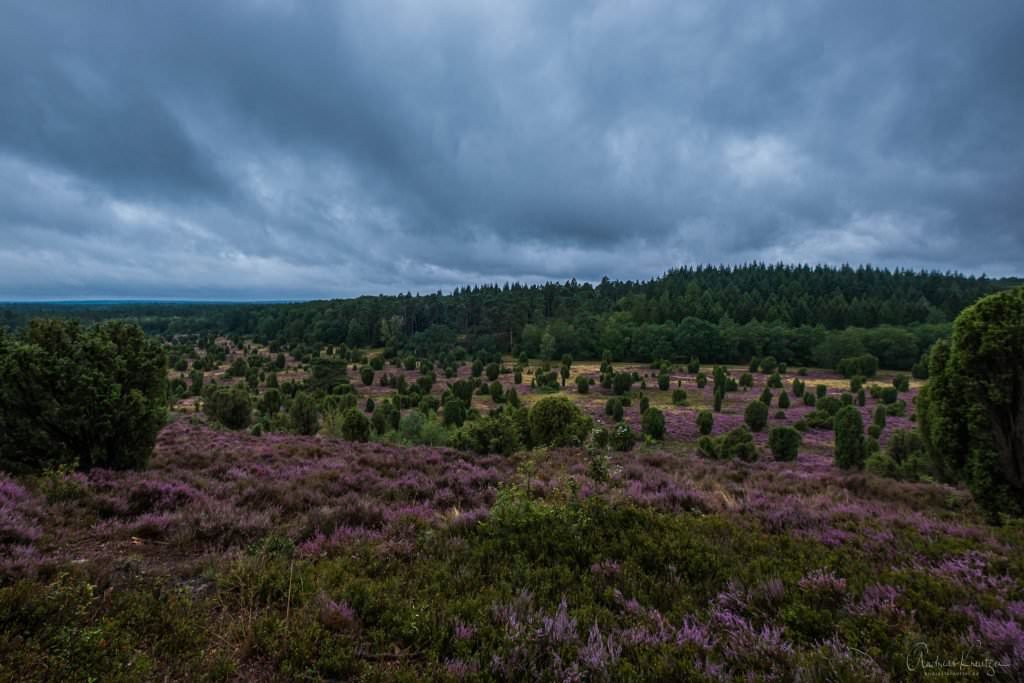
(755, 474)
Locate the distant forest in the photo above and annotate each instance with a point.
(799, 314)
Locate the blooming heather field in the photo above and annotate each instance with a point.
(267, 555)
(241, 557)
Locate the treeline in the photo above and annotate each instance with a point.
(799, 314)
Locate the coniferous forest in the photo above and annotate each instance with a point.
(799, 314)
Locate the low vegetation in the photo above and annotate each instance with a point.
(217, 508)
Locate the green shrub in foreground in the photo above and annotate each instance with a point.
(69, 394)
(557, 421)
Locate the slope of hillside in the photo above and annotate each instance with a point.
(262, 558)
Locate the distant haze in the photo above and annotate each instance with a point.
(288, 150)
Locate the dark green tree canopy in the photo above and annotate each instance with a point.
(972, 409)
(69, 394)
(797, 314)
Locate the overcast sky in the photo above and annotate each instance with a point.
(278, 150)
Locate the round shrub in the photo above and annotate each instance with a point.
(495, 433)
(621, 383)
(896, 409)
(492, 371)
(705, 422)
(679, 397)
(304, 414)
(366, 375)
(738, 443)
(497, 391)
(756, 415)
(850, 447)
(663, 381)
(232, 407)
(784, 442)
(355, 426)
(783, 400)
(766, 396)
(582, 384)
(613, 408)
(702, 380)
(557, 421)
(879, 416)
(454, 412)
(798, 388)
(653, 423)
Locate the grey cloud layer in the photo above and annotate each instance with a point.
(278, 149)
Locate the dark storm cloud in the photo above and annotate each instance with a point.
(280, 149)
